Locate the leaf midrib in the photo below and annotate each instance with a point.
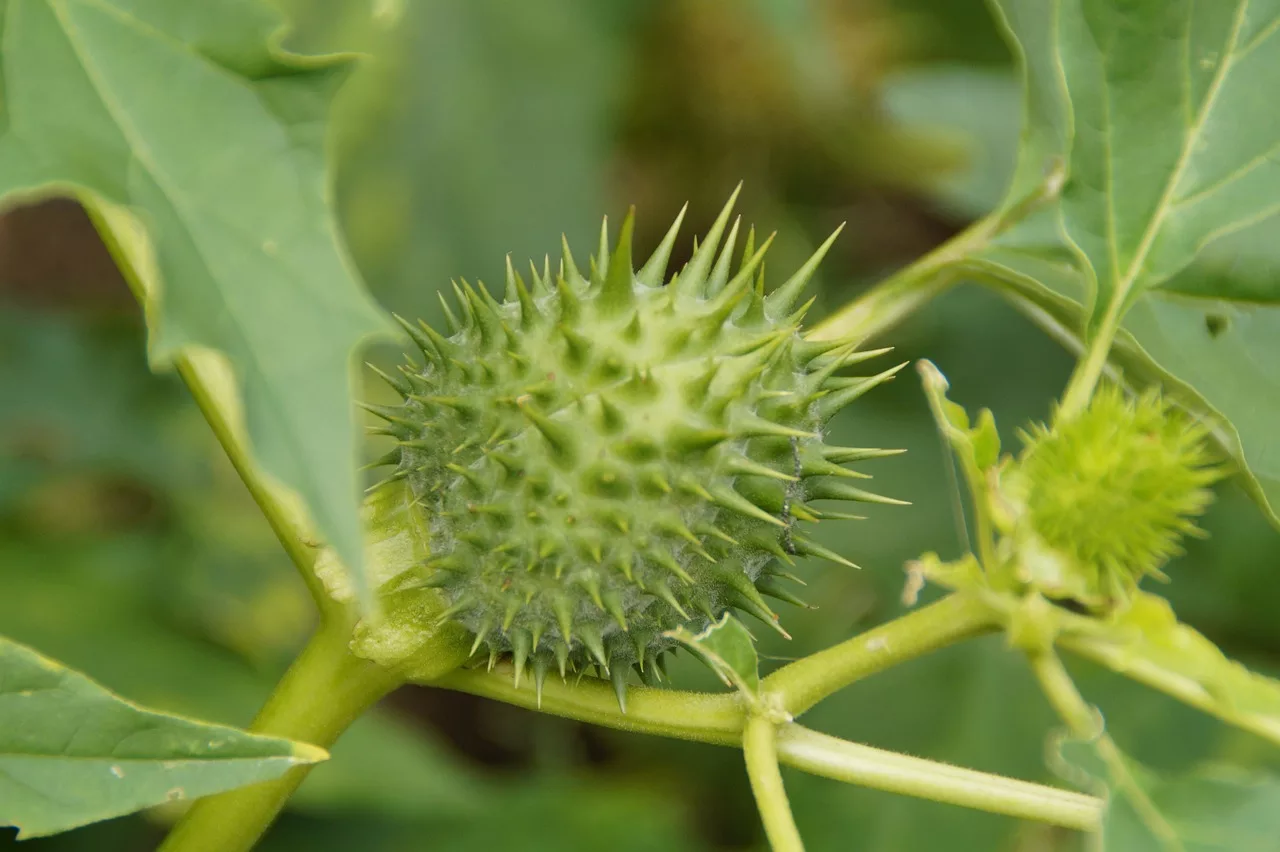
(1121, 289)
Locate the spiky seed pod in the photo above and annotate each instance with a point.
(606, 457)
(1106, 497)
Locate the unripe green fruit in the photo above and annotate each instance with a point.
(605, 457)
(1107, 496)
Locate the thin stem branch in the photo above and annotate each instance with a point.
(864, 765)
(760, 750)
(1105, 651)
(715, 718)
(1090, 368)
(1086, 723)
(889, 302)
(983, 529)
(720, 719)
(324, 691)
(805, 682)
(901, 294)
(958, 445)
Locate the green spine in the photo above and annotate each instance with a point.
(605, 457)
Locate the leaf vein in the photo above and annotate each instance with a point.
(1265, 33)
(1265, 157)
(1184, 159)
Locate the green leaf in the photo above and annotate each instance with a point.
(72, 753)
(1212, 809)
(1157, 104)
(92, 584)
(197, 146)
(109, 625)
(727, 647)
(1153, 105)
(979, 445)
(1148, 644)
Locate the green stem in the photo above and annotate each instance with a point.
(324, 691)
(715, 718)
(1085, 723)
(719, 718)
(897, 297)
(805, 682)
(888, 303)
(759, 747)
(1107, 652)
(859, 764)
(906, 291)
(1089, 369)
(983, 529)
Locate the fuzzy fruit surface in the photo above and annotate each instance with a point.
(1108, 495)
(606, 456)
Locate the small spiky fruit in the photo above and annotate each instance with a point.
(1113, 490)
(606, 457)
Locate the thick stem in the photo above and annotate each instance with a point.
(324, 691)
(1086, 724)
(805, 682)
(859, 764)
(760, 750)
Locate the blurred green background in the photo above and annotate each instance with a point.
(475, 129)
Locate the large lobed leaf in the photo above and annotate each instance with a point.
(1158, 110)
(198, 148)
(1173, 143)
(72, 753)
(1158, 107)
